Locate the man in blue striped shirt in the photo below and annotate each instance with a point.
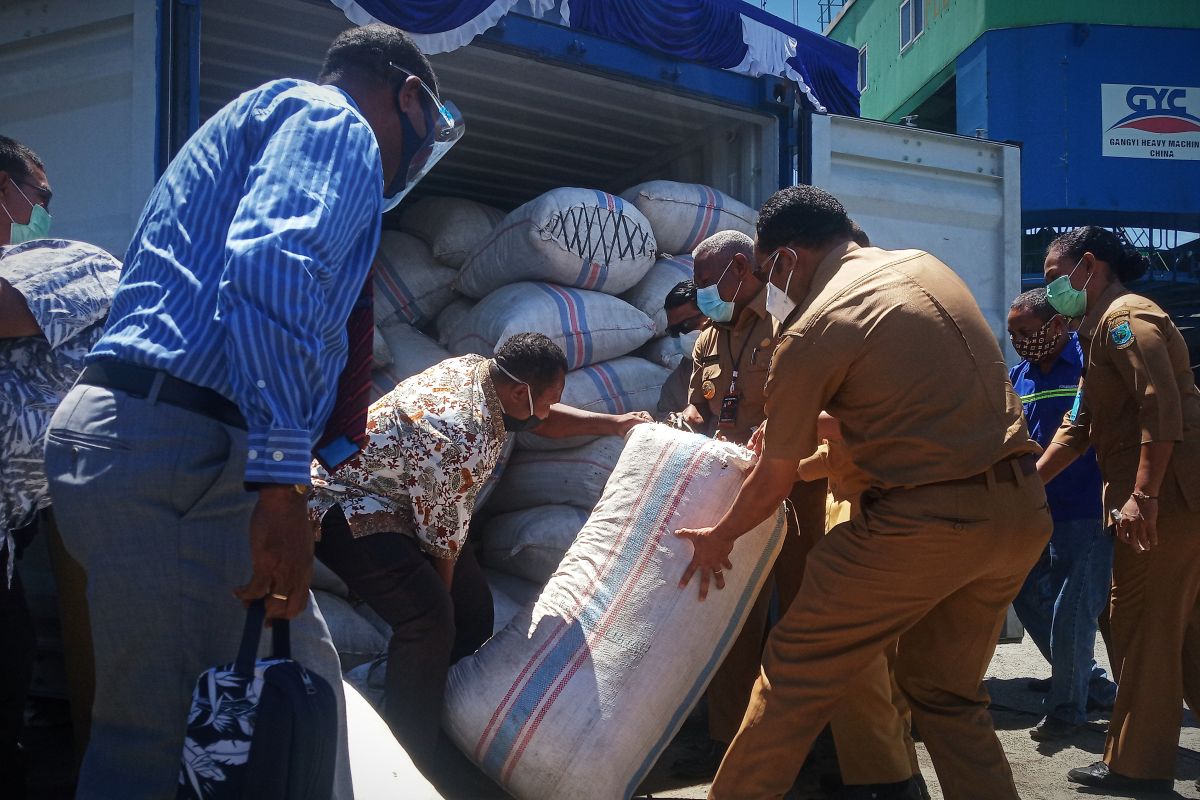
(1068, 587)
(179, 465)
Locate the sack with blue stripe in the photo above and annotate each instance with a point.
(588, 326)
(685, 214)
(575, 237)
(582, 691)
(260, 729)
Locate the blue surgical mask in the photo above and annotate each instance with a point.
(38, 226)
(1064, 298)
(710, 302)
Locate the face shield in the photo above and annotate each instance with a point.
(443, 127)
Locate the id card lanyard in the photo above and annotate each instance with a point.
(729, 403)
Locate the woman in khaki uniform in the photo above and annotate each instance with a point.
(1139, 407)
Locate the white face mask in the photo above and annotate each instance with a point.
(779, 304)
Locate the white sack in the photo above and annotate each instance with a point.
(410, 285)
(619, 386)
(574, 237)
(588, 326)
(666, 352)
(510, 596)
(531, 542)
(381, 356)
(412, 353)
(547, 477)
(451, 226)
(379, 767)
(651, 291)
(579, 696)
(685, 214)
(355, 639)
(451, 317)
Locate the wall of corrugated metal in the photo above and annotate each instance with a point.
(532, 125)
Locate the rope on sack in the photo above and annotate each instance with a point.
(601, 234)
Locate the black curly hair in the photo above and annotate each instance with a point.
(1126, 262)
(803, 215)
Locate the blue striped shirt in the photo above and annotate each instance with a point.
(246, 262)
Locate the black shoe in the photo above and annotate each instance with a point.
(1099, 705)
(1053, 729)
(1038, 685)
(703, 765)
(1100, 776)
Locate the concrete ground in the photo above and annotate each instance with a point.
(1040, 770)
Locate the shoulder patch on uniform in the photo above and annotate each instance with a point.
(1119, 331)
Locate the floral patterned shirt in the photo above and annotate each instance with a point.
(68, 287)
(432, 443)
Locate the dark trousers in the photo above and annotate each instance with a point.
(17, 645)
(432, 626)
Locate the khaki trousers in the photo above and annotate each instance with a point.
(1156, 638)
(871, 727)
(934, 567)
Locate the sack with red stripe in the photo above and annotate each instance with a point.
(574, 477)
(685, 214)
(576, 237)
(651, 291)
(580, 694)
(410, 285)
(588, 326)
(451, 226)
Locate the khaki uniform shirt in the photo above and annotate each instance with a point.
(717, 351)
(1137, 387)
(893, 345)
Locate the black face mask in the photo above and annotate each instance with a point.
(411, 145)
(514, 425)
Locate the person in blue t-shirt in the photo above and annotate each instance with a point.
(1069, 586)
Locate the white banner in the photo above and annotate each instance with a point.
(1159, 122)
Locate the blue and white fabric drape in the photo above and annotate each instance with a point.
(727, 34)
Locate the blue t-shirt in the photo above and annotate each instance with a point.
(1047, 396)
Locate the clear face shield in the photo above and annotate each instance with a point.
(444, 126)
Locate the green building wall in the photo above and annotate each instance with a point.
(897, 83)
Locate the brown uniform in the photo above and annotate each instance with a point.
(952, 517)
(874, 745)
(1139, 388)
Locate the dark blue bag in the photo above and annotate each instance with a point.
(260, 729)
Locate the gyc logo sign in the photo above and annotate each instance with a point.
(1159, 122)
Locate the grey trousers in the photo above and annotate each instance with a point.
(149, 499)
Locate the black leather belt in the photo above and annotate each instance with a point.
(140, 382)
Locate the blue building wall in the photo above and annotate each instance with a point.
(1041, 86)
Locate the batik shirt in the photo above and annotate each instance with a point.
(432, 443)
(68, 287)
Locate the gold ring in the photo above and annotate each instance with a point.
(279, 596)
(718, 572)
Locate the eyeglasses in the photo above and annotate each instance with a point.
(686, 326)
(45, 195)
(444, 127)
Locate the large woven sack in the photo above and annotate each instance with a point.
(510, 595)
(355, 639)
(666, 352)
(412, 352)
(579, 695)
(379, 767)
(451, 226)
(410, 285)
(685, 214)
(531, 542)
(547, 477)
(451, 317)
(574, 237)
(381, 356)
(651, 291)
(619, 386)
(588, 326)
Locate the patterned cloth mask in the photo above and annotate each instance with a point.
(1036, 347)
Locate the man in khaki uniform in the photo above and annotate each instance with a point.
(952, 515)
(726, 399)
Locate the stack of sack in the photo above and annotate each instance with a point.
(582, 691)
(586, 268)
